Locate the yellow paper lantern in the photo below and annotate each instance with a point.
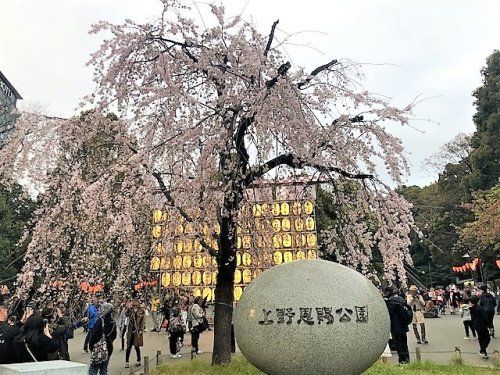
(276, 225)
(155, 264)
(256, 273)
(207, 293)
(196, 277)
(285, 224)
(157, 215)
(197, 246)
(244, 210)
(165, 280)
(186, 261)
(237, 276)
(288, 256)
(296, 208)
(188, 246)
(277, 241)
(276, 209)
(179, 245)
(205, 230)
(311, 240)
(285, 208)
(197, 292)
(309, 223)
(257, 211)
(165, 263)
(156, 231)
(300, 240)
(247, 276)
(300, 255)
(214, 277)
(287, 240)
(217, 228)
(215, 245)
(278, 257)
(180, 229)
(238, 229)
(198, 261)
(238, 291)
(246, 259)
(299, 224)
(177, 262)
(311, 254)
(189, 228)
(157, 248)
(247, 242)
(238, 242)
(186, 278)
(238, 259)
(207, 278)
(214, 262)
(206, 261)
(265, 209)
(177, 278)
(308, 207)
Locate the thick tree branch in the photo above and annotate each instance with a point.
(295, 162)
(271, 37)
(316, 71)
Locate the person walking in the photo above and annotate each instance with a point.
(466, 319)
(35, 343)
(399, 315)
(122, 323)
(417, 304)
(101, 340)
(480, 324)
(488, 303)
(155, 313)
(197, 326)
(175, 328)
(135, 331)
(92, 315)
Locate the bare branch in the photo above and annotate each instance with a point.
(316, 71)
(271, 37)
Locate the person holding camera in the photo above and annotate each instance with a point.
(417, 304)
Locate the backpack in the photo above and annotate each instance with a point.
(488, 303)
(100, 354)
(408, 313)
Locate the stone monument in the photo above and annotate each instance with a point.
(311, 317)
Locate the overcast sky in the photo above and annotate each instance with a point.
(428, 49)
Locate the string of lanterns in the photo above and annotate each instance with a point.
(471, 266)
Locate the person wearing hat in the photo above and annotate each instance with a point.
(106, 326)
(399, 322)
(417, 304)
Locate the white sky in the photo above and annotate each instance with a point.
(431, 48)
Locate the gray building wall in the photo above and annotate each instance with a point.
(8, 110)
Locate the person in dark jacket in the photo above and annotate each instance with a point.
(59, 329)
(480, 324)
(35, 343)
(488, 303)
(399, 322)
(106, 326)
(8, 331)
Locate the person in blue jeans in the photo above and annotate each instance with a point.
(92, 315)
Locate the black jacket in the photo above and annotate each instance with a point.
(478, 318)
(487, 302)
(59, 329)
(41, 350)
(7, 336)
(105, 325)
(397, 313)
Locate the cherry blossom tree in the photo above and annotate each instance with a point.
(207, 109)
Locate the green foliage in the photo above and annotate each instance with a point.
(240, 366)
(16, 210)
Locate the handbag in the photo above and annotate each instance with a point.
(99, 354)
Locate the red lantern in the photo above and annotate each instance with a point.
(467, 266)
(498, 263)
(473, 266)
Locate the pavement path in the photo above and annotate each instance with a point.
(444, 334)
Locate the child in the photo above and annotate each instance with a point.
(480, 324)
(175, 328)
(466, 318)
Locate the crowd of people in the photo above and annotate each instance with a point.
(43, 331)
(476, 307)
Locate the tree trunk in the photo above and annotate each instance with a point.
(224, 294)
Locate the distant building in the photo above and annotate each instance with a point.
(8, 110)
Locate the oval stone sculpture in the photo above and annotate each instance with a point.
(311, 317)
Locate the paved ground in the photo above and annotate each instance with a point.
(444, 334)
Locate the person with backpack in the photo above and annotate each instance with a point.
(101, 340)
(401, 316)
(480, 324)
(175, 329)
(488, 303)
(417, 304)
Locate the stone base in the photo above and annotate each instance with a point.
(44, 368)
